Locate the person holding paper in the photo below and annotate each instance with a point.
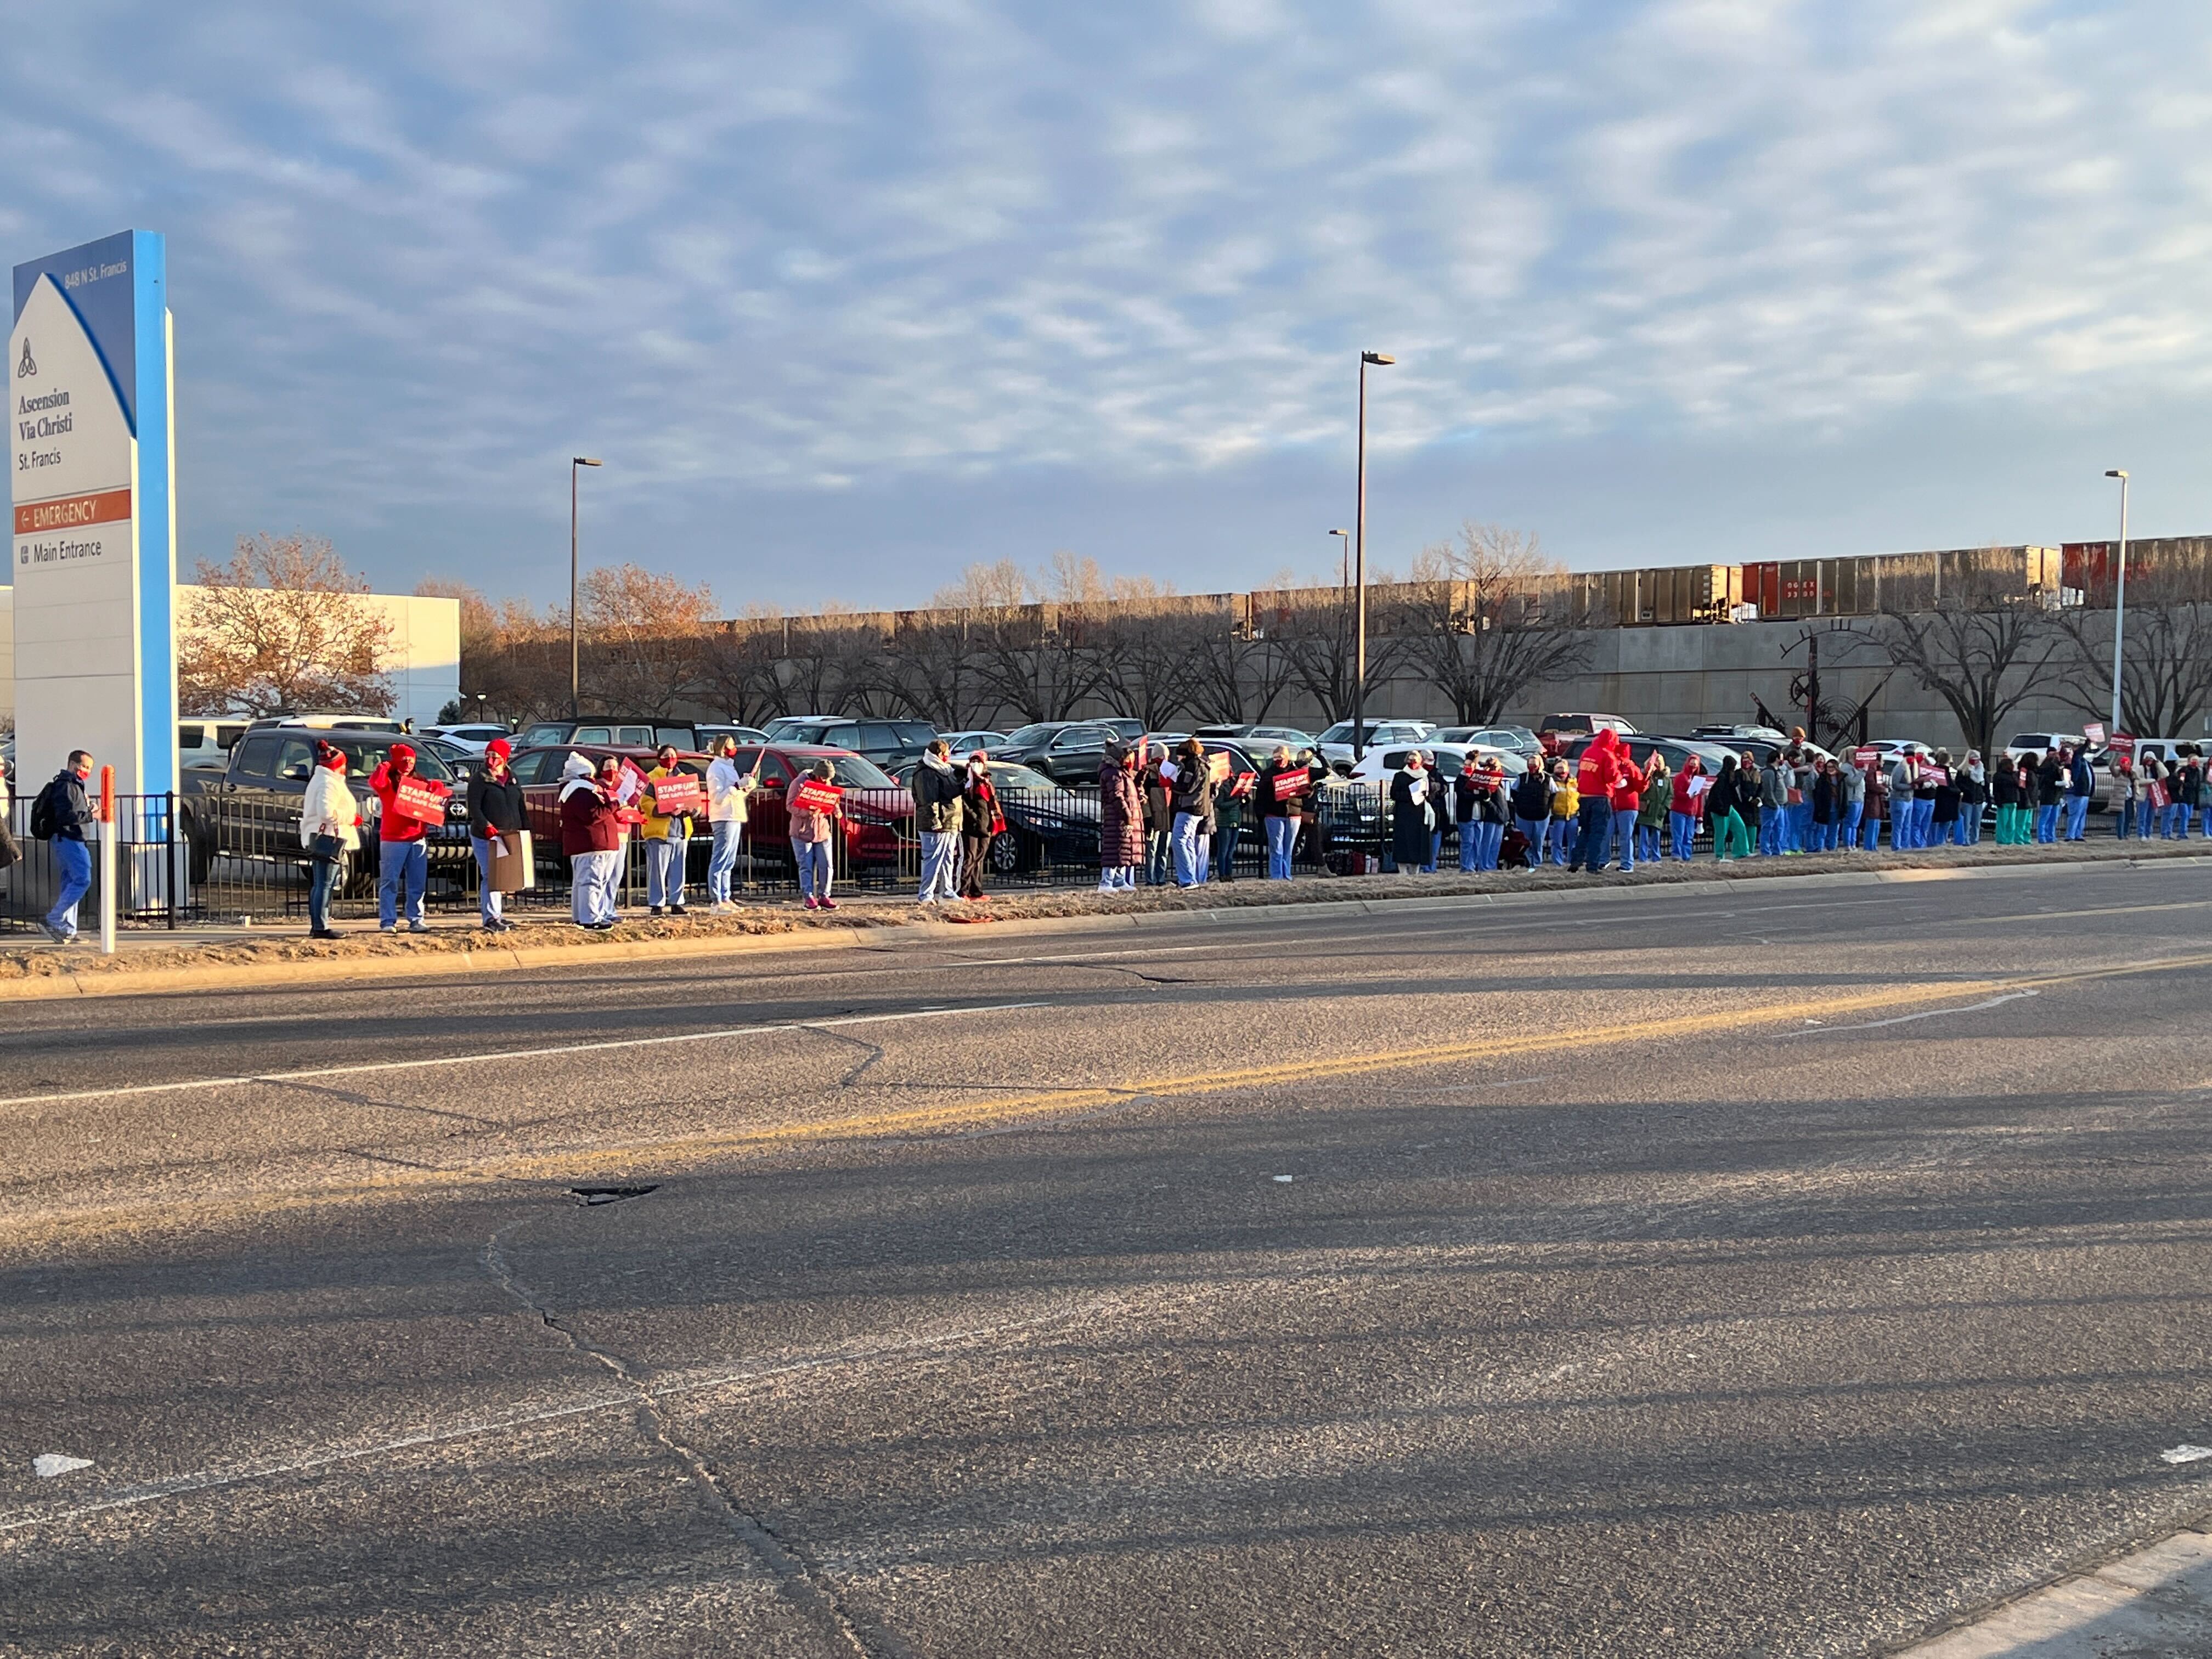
(1414, 816)
(2081, 786)
(1686, 804)
(812, 827)
(402, 867)
(495, 819)
(1191, 795)
(729, 797)
(665, 829)
(2051, 797)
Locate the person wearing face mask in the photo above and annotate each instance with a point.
(937, 814)
(592, 838)
(402, 868)
(1120, 821)
(667, 837)
(1192, 800)
(330, 828)
(1973, 783)
(494, 801)
(1412, 815)
(980, 822)
(1284, 785)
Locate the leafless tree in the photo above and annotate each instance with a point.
(645, 640)
(1147, 662)
(1316, 632)
(938, 676)
(2166, 664)
(1984, 649)
(282, 626)
(1490, 623)
(1235, 677)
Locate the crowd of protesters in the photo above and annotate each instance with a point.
(1178, 816)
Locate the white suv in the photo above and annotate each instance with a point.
(1334, 745)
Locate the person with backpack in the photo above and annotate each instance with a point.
(60, 816)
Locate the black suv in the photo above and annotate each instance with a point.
(1068, 751)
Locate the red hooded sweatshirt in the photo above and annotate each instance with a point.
(385, 782)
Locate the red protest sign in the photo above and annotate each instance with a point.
(2123, 746)
(1244, 784)
(1935, 775)
(1216, 767)
(1866, 756)
(812, 795)
(1288, 784)
(419, 799)
(679, 794)
(2094, 734)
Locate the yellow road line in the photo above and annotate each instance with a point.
(666, 1156)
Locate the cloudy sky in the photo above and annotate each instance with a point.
(849, 294)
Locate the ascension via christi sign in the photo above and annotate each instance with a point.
(94, 549)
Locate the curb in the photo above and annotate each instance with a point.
(471, 961)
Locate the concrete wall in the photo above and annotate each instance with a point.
(425, 665)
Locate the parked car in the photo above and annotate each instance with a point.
(1565, 724)
(1380, 765)
(538, 772)
(207, 743)
(251, 809)
(612, 731)
(1676, 751)
(1066, 753)
(964, 743)
(1046, 822)
(475, 737)
(882, 741)
(459, 756)
(1889, 748)
(711, 736)
(1737, 733)
(1518, 738)
(1257, 739)
(2041, 742)
(878, 820)
(1334, 745)
(326, 720)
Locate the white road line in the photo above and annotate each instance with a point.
(1906, 1019)
(192, 1084)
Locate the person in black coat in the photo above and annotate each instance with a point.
(1415, 798)
(494, 802)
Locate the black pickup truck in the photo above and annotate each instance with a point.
(251, 809)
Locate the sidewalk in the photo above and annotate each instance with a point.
(277, 954)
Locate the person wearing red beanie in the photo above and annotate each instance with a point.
(403, 862)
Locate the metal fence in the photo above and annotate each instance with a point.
(179, 863)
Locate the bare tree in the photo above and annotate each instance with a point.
(1235, 677)
(739, 676)
(282, 626)
(1984, 649)
(512, 656)
(1490, 622)
(938, 676)
(1316, 631)
(645, 640)
(1147, 662)
(2166, 664)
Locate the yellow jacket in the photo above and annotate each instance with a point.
(1566, 800)
(658, 828)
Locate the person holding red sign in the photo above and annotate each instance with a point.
(1283, 787)
(810, 805)
(2049, 796)
(1120, 821)
(665, 829)
(403, 865)
(1229, 816)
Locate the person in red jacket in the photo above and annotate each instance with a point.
(1687, 806)
(592, 832)
(1627, 807)
(1594, 780)
(403, 863)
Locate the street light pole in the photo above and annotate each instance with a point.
(575, 706)
(1344, 563)
(2119, 600)
(1359, 558)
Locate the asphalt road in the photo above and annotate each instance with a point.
(1784, 1271)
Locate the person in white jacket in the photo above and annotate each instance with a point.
(330, 828)
(729, 791)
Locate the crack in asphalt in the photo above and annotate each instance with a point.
(800, 1580)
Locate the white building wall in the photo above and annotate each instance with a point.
(425, 664)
